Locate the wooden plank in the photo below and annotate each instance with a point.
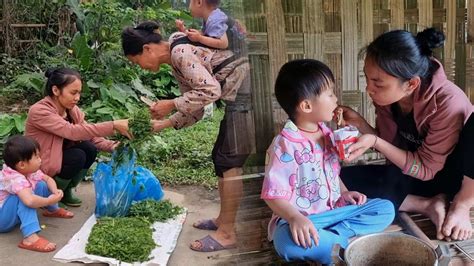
(349, 44)
(398, 15)
(28, 25)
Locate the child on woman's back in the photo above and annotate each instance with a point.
(23, 188)
(313, 210)
(214, 26)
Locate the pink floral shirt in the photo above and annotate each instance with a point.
(12, 182)
(302, 172)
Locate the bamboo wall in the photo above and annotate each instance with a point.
(334, 31)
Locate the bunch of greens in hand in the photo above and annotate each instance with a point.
(140, 128)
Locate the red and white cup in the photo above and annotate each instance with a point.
(343, 138)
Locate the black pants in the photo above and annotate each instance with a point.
(77, 157)
(388, 181)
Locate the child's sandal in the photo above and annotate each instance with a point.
(40, 245)
(59, 213)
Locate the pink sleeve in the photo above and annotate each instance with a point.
(103, 144)
(18, 183)
(439, 142)
(280, 170)
(46, 120)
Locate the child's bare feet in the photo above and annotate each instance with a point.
(37, 243)
(457, 225)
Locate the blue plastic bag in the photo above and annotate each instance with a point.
(115, 190)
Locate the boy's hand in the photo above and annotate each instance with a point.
(302, 230)
(354, 197)
(194, 35)
(180, 25)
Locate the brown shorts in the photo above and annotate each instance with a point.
(233, 144)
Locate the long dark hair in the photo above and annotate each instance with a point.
(299, 80)
(133, 38)
(404, 56)
(59, 77)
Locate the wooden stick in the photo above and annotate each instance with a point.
(414, 229)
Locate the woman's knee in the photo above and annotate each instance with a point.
(90, 150)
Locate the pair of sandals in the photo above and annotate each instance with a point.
(208, 243)
(43, 245)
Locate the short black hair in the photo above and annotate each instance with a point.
(299, 80)
(19, 148)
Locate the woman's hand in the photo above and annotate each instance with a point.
(364, 143)
(122, 127)
(349, 117)
(115, 145)
(302, 230)
(159, 125)
(354, 197)
(162, 108)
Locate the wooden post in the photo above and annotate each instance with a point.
(314, 27)
(425, 14)
(397, 10)
(349, 44)
(450, 43)
(469, 51)
(6, 26)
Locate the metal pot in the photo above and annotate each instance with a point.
(390, 249)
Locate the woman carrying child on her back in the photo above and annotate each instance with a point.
(313, 210)
(23, 189)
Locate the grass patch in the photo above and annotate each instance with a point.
(183, 157)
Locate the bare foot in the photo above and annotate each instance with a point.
(436, 211)
(457, 225)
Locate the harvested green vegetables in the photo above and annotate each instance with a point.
(139, 125)
(155, 211)
(127, 239)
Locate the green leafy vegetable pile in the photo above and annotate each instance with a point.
(155, 211)
(127, 239)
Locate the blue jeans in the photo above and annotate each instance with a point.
(14, 212)
(334, 227)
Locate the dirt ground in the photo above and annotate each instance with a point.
(200, 202)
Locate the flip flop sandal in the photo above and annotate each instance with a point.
(208, 224)
(209, 244)
(39, 246)
(59, 213)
